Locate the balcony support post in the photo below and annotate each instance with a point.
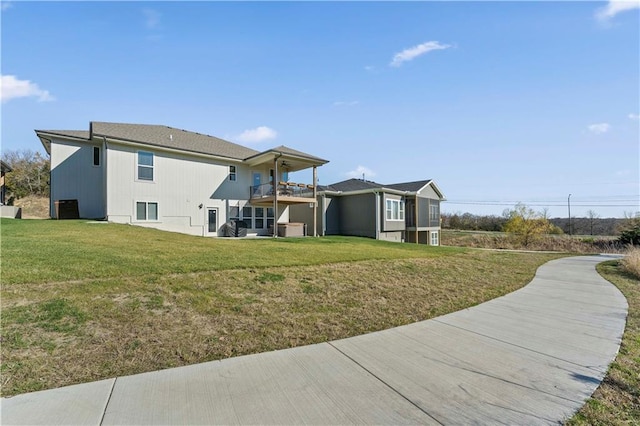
(315, 201)
(274, 186)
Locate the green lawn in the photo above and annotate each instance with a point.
(37, 251)
(87, 301)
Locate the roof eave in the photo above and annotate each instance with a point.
(147, 145)
(272, 155)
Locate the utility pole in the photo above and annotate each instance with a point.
(569, 206)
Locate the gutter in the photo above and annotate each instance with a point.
(148, 146)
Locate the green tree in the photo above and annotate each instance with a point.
(630, 230)
(30, 174)
(526, 224)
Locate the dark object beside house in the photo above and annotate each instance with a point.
(67, 209)
(236, 228)
(291, 229)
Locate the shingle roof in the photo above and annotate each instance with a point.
(5, 167)
(80, 134)
(409, 186)
(169, 137)
(287, 150)
(353, 185)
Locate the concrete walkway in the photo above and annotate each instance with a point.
(531, 357)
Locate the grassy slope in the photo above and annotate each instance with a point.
(617, 399)
(42, 251)
(84, 301)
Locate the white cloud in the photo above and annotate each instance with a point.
(4, 5)
(599, 128)
(259, 134)
(152, 18)
(11, 88)
(346, 103)
(415, 51)
(614, 7)
(359, 171)
(634, 117)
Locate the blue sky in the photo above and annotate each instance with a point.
(498, 102)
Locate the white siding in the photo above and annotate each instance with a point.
(74, 177)
(181, 184)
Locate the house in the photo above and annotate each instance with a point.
(403, 212)
(4, 168)
(175, 180)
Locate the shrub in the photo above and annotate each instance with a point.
(631, 235)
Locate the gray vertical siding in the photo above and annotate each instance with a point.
(423, 212)
(358, 215)
(332, 216)
(436, 220)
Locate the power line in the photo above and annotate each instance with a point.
(538, 204)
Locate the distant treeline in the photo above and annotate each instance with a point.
(579, 225)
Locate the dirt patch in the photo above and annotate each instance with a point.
(33, 207)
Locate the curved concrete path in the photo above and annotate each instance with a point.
(531, 357)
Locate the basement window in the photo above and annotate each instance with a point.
(434, 238)
(146, 211)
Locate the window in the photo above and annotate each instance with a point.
(395, 209)
(285, 176)
(259, 217)
(434, 212)
(96, 156)
(434, 238)
(145, 165)
(232, 173)
(247, 215)
(234, 213)
(270, 217)
(146, 211)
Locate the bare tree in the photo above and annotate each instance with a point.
(30, 174)
(592, 215)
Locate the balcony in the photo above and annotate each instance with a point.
(288, 193)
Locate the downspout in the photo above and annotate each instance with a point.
(315, 201)
(378, 218)
(416, 209)
(105, 175)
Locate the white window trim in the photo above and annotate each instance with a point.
(433, 234)
(389, 210)
(138, 165)
(233, 173)
(135, 211)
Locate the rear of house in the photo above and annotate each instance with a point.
(172, 179)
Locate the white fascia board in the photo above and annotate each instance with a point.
(375, 190)
(144, 146)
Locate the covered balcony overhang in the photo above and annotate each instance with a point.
(286, 159)
(277, 192)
